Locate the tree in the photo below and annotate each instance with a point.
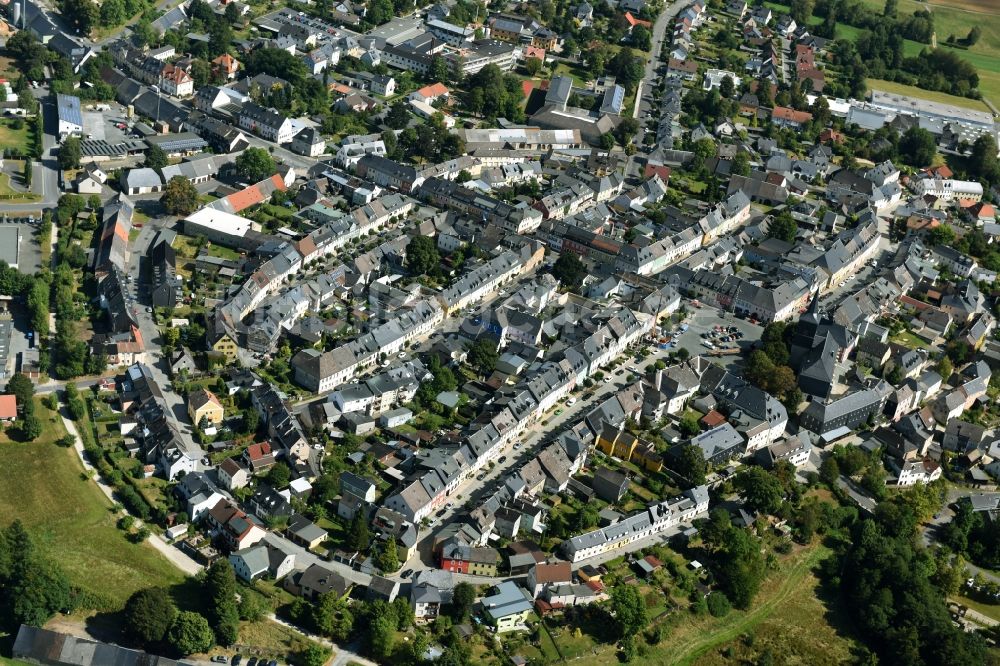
(690, 463)
(727, 88)
(22, 388)
(382, 634)
(629, 610)
(607, 141)
(398, 116)
(783, 226)
(249, 421)
(220, 583)
(741, 164)
(31, 427)
(483, 355)
(190, 633)
(740, 566)
(332, 617)
(422, 256)
(155, 157)
(27, 173)
(762, 491)
(280, 475)
(532, 66)
(569, 270)
(314, 655)
(973, 35)
(358, 537)
(944, 368)
(689, 425)
(388, 557)
(149, 614)
(113, 13)
(801, 10)
(179, 196)
(718, 604)
(829, 471)
(462, 598)
(69, 153)
(641, 38)
(255, 164)
(917, 147)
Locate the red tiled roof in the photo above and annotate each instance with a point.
(633, 21)
(791, 115)
(8, 407)
(258, 451)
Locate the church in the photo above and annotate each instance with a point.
(817, 345)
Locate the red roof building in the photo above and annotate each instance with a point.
(8, 408)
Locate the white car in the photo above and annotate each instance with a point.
(571, 402)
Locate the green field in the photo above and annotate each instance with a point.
(787, 618)
(18, 141)
(70, 519)
(944, 98)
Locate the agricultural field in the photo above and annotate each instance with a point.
(943, 98)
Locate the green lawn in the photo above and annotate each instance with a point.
(908, 339)
(17, 140)
(943, 98)
(70, 519)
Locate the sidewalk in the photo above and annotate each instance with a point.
(174, 555)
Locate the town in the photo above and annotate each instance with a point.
(498, 333)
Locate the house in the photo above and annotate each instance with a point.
(308, 142)
(610, 485)
(545, 575)
(233, 526)
(432, 589)
(259, 457)
(256, 561)
(8, 408)
(232, 474)
(266, 123)
(176, 81)
(507, 608)
(381, 588)
(430, 94)
(395, 417)
(304, 532)
(785, 117)
(316, 581)
(225, 66)
(268, 504)
(202, 404)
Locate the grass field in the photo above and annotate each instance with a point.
(42, 485)
(17, 141)
(787, 617)
(944, 98)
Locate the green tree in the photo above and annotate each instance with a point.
(113, 13)
(332, 617)
(462, 598)
(358, 537)
(22, 388)
(220, 584)
(629, 610)
(917, 147)
(382, 634)
(155, 157)
(422, 256)
(149, 614)
(718, 604)
(783, 226)
(569, 270)
(280, 475)
(762, 491)
(179, 196)
(314, 655)
(689, 425)
(255, 164)
(739, 565)
(741, 163)
(690, 463)
(69, 153)
(27, 173)
(398, 116)
(30, 427)
(607, 141)
(190, 633)
(829, 471)
(483, 355)
(388, 556)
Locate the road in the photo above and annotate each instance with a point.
(157, 364)
(47, 171)
(473, 491)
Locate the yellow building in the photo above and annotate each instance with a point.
(624, 445)
(202, 404)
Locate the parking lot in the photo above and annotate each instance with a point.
(704, 320)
